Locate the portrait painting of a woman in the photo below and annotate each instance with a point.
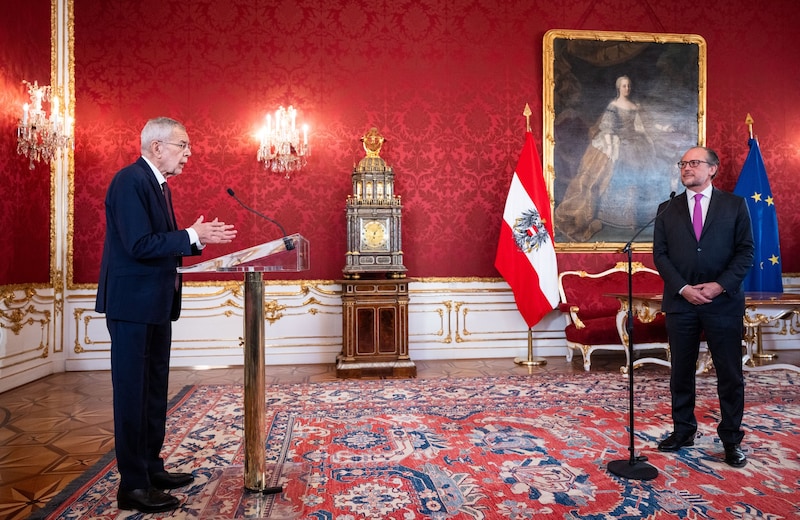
(621, 121)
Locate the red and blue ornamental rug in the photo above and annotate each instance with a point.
(514, 447)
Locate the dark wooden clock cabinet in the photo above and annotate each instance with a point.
(374, 288)
(375, 329)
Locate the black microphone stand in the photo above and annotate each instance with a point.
(287, 242)
(635, 467)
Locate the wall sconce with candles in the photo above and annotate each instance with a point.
(283, 148)
(40, 137)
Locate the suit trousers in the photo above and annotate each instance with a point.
(140, 355)
(723, 334)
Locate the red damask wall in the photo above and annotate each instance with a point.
(24, 193)
(445, 81)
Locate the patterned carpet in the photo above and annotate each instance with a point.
(511, 447)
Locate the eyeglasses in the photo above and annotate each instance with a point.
(182, 146)
(694, 163)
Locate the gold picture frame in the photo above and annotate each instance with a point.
(620, 109)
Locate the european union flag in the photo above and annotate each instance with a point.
(753, 185)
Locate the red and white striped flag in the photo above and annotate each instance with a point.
(526, 256)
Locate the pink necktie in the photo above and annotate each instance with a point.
(697, 215)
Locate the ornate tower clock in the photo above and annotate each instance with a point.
(374, 243)
(374, 289)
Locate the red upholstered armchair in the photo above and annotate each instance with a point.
(592, 317)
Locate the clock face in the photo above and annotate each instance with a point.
(374, 235)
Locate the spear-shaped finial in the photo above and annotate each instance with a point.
(527, 113)
(749, 122)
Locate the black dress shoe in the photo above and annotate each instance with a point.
(734, 456)
(147, 500)
(676, 441)
(164, 480)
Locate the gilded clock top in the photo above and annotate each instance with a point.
(373, 141)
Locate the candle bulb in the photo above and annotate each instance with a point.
(25, 114)
(305, 135)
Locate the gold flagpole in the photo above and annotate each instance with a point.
(760, 353)
(530, 361)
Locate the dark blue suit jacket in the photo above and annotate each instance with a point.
(141, 252)
(724, 253)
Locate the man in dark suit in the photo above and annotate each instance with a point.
(140, 292)
(703, 269)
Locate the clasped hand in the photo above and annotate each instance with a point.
(702, 293)
(214, 231)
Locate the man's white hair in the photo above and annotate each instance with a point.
(158, 129)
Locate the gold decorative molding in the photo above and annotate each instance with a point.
(457, 309)
(21, 308)
(273, 311)
(448, 305)
(16, 319)
(469, 279)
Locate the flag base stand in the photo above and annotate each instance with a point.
(530, 361)
(535, 362)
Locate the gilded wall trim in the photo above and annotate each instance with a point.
(27, 316)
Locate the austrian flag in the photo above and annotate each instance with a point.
(526, 256)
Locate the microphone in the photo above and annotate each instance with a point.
(627, 247)
(286, 240)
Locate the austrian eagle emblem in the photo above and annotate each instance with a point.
(529, 231)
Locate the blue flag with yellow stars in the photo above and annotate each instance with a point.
(753, 185)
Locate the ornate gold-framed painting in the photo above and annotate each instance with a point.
(620, 109)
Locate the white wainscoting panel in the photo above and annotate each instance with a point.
(448, 319)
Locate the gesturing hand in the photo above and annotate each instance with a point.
(213, 232)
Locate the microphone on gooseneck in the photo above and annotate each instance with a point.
(286, 240)
(630, 242)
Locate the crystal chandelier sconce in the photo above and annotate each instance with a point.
(283, 147)
(39, 137)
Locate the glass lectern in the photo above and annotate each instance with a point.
(287, 254)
